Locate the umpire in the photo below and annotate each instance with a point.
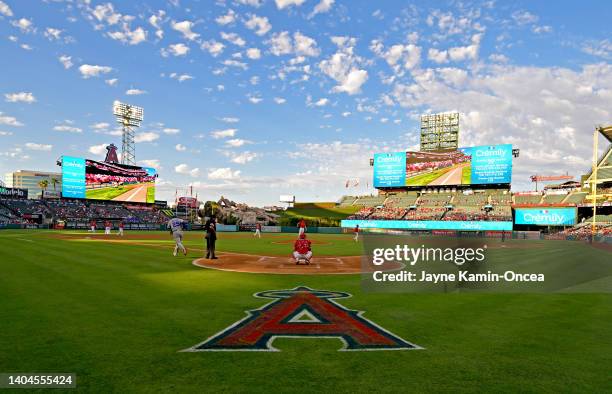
(211, 238)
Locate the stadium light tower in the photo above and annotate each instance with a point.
(130, 117)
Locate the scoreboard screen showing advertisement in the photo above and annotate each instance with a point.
(476, 165)
(545, 217)
(98, 180)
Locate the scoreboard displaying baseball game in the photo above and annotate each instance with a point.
(476, 165)
(98, 180)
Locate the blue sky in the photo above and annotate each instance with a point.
(252, 99)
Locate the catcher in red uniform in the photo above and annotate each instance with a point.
(302, 249)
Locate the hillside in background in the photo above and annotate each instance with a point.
(316, 214)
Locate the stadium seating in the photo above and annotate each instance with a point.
(347, 201)
(370, 201)
(553, 198)
(575, 198)
(527, 199)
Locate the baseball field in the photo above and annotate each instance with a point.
(118, 311)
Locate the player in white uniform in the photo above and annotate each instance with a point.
(175, 225)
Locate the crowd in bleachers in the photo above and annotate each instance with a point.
(584, 231)
(19, 211)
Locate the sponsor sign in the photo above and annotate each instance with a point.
(428, 225)
(546, 216)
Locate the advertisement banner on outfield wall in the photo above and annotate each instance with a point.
(428, 225)
(545, 216)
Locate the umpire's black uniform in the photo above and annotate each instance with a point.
(211, 238)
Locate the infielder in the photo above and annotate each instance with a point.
(92, 226)
(175, 225)
(107, 227)
(257, 230)
(121, 225)
(356, 232)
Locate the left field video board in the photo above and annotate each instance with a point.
(98, 180)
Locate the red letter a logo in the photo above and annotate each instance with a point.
(303, 312)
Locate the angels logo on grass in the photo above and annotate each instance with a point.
(303, 312)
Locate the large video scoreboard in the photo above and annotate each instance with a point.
(476, 165)
(98, 180)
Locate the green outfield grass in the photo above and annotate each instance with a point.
(117, 314)
(425, 179)
(466, 175)
(108, 193)
(151, 194)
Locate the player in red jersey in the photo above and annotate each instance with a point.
(302, 249)
(121, 226)
(108, 225)
(356, 233)
(301, 227)
(257, 230)
(92, 226)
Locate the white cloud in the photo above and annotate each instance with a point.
(226, 19)
(186, 170)
(226, 133)
(106, 13)
(88, 70)
(111, 82)
(179, 49)
(215, 48)
(38, 147)
(68, 128)
(280, 100)
(253, 3)
(171, 130)
(223, 173)
(100, 126)
(437, 56)
(259, 24)
(146, 137)
(185, 28)
(97, 149)
(181, 77)
(26, 47)
(23, 97)
(66, 61)
(180, 147)
(322, 102)
(524, 17)
(5, 133)
(244, 157)
(304, 45)
(156, 21)
(135, 92)
(25, 25)
(255, 99)
(342, 66)
(53, 34)
(321, 8)
(154, 163)
(5, 9)
(233, 38)
(466, 52)
(280, 4)
(229, 119)
(280, 43)
(253, 53)
(236, 142)
(9, 120)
